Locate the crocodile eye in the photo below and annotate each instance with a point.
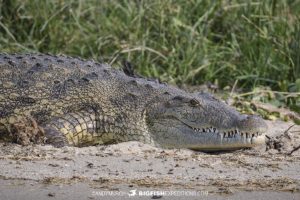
(194, 102)
(178, 98)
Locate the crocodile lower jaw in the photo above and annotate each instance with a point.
(230, 146)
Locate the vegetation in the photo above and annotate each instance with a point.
(249, 44)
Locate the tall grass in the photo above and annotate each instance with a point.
(251, 42)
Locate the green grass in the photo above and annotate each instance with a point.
(252, 42)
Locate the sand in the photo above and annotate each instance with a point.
(134, 170)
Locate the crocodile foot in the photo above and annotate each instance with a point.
(26, 131)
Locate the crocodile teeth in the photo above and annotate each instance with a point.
(197, 129)
(236, 133)
(227, 134)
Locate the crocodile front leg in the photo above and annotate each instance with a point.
(80, 128)
(23, 130)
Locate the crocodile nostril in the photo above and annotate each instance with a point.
(252, 123)
(244, 118)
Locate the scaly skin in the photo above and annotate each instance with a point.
(69, 101)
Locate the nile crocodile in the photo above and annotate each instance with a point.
(62, 100)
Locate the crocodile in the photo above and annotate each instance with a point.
(68, 101)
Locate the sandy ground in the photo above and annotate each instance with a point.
(134, 170)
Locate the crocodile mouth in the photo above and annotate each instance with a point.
(227, 134)
(218, 139)
(231, 133)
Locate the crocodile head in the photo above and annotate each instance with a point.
(201, 122)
